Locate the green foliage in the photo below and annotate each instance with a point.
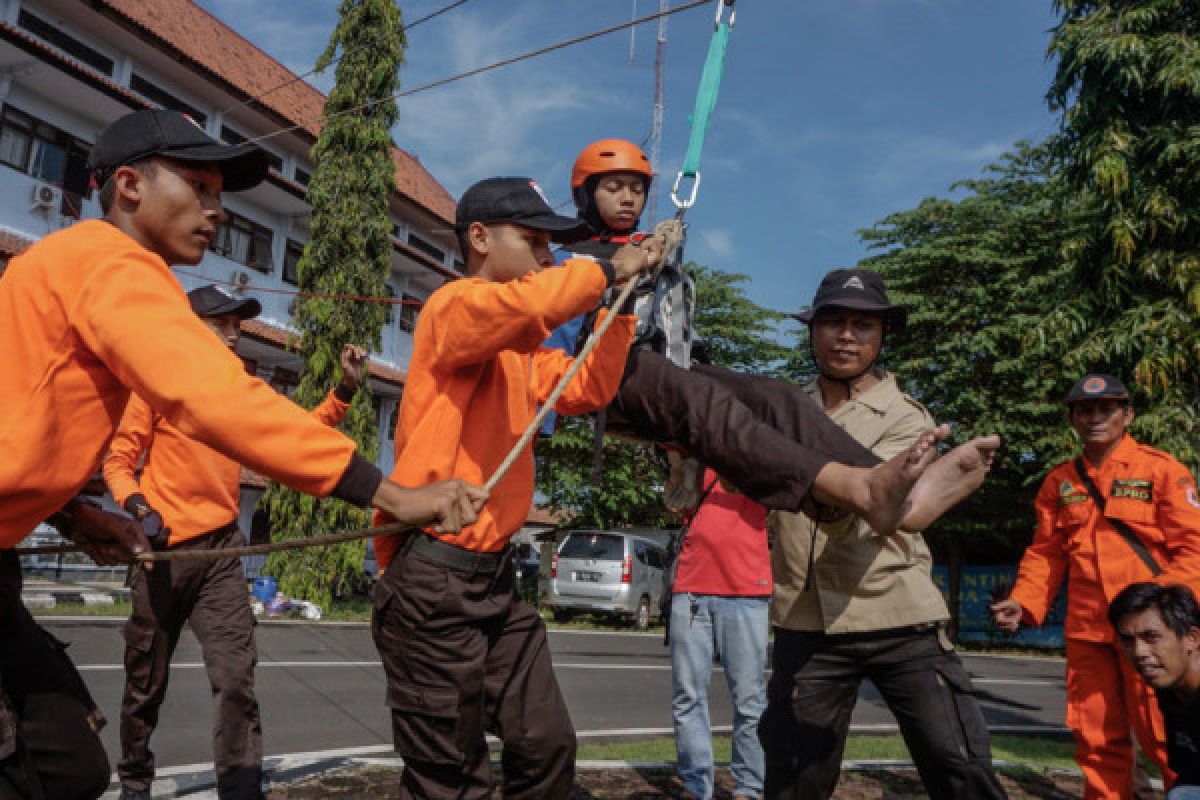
(976, 275)
(349, 253)
(738, 335)
(1128, 86)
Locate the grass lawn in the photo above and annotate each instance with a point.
(1020, 750)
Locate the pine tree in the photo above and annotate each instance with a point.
(349, 253)
(1128, 85)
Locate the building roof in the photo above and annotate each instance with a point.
(192, 34)
(280, 337)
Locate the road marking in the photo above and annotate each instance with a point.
(261, 664)
(336, 664)
(1014, 682)
(1058, 684)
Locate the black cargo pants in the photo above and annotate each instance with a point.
(464, 657)
(211, 596)
(766, 436)
(49, 749)
(811, 695)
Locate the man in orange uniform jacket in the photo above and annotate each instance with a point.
(1153, 497)
(88, 315)
(463, 656)
(188, 498)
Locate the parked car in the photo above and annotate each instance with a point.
(607, 572)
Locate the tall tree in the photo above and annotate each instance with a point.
(1127, 82)
(349, 253)
(977, 274)
(737, 333)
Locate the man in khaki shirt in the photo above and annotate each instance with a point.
(851, 604)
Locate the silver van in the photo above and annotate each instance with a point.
(607, 572)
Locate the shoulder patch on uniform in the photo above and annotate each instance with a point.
(1192, 497)
(1069, 493)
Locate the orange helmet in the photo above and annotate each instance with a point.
(609, 155)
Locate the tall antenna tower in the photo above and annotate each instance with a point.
(656, 125)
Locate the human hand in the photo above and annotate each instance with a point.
(354, 366)
(151, 521)
(446, 506)
(631, 261)
(1007, 614)
(106, 538)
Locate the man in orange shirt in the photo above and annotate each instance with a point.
(88, 315)
(1119, 514)
(188, 499)
(463, 656)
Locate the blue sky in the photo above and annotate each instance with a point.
(833, 113)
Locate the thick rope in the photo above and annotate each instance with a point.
(672, 236)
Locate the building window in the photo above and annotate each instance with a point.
(303, 177)
(161, 97)
(244, 241)
(65, 42)
(390, 314)
(284, 381)
(393, 422)
(408, 313)
(428, 248)
(42, 151)
(230, 136)
(291, 262)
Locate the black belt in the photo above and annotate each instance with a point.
(435, 551)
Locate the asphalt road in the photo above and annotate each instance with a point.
(321, 689)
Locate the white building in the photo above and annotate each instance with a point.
(70, 67)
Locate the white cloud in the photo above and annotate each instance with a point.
(493, 124)
(719, 242)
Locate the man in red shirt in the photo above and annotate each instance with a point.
(719, 607)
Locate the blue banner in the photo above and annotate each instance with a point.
(982, 586)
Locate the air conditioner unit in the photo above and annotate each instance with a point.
(241, 280)
(46, 197)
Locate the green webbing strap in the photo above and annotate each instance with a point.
(706, 98)
(706, 101)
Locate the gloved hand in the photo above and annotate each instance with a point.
(151, 521)
(106, 537)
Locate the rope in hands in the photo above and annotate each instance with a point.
(670, 232)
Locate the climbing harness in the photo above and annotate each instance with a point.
(666, 303)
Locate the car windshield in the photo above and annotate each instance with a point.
(600, 546)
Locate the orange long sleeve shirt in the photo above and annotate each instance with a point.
(195, 489)
(477, 375)
(1147, 489)
(88, 315)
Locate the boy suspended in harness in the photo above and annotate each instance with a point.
(764, 435)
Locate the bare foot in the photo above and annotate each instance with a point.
(948, 481)
(890, 484)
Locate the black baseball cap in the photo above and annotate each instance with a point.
(213, 301)
(170, 134)
(857, 290)
(519, 201)
(1098, 385)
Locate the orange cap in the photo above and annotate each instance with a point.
(609, 155)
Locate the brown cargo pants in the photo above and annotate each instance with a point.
(464, 657)
(210, 595)
(49, 749)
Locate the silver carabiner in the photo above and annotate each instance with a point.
(682, 204)
(721, 5)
